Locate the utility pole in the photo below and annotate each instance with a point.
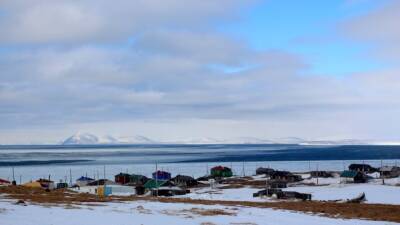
(156, 179)
(70, 177)
(13, 175)
(243, 173)
(383, 179)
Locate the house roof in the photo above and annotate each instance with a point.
(154, 184)
(82, 178)
(220, 168)
(2, 181)
(183, 177)
(349, 174)
(45, 181)
(161, 172)
(122, 174)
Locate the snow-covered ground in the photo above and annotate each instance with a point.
(236, 194)
(375, 193)
(328, 189)
(149, 213)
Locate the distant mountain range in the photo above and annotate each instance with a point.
(90, 139)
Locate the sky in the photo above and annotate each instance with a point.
(176, 70)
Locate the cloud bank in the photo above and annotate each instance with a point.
(162, 69)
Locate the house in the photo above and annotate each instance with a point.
(101, 182)
(48, 184)
(285, 176)
(161, 175)
(168, 191)
(365, 168)
(83, 181)
(351, 176)
(279, 194)
(323, 174)
(389, 171)
(264, 171)
(153, 184)
(117, 190)
(137, 180)
(122, 178)
(221, 171)
(185, 181)
(4, 182)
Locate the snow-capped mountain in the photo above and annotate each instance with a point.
(137, 139)
(81, 139)
(90, 139)
(238, 140)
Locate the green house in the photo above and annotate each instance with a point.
(221, 171)
(153, 184)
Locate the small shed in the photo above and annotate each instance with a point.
(122, 178)
(264, 171)
(351, 176)
(161, 175)
(62, 185)
(285, 176)
(45, 183)
(186, 181)
(276, 184)
(168, 191)
(140, 190)
(389, 171)
(365, 168)
(83, 181)
(221, 171)
(323, 174)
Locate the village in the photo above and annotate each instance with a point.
(266, 184)
(371, 193)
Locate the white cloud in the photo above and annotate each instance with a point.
(172, 76)
(44, 21)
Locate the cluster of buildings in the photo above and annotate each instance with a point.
(161, 183)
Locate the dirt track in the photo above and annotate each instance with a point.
(379, 212)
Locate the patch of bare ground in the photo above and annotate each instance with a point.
(142, 210)
(209, 212)
(381, 212)
(243, 223)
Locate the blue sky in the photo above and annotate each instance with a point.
(176, 71)
(309, 28)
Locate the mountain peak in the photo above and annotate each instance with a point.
(81, 139)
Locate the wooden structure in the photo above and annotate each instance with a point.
(351, 176)
(264, 171)
(364, 168)
(389, 171)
